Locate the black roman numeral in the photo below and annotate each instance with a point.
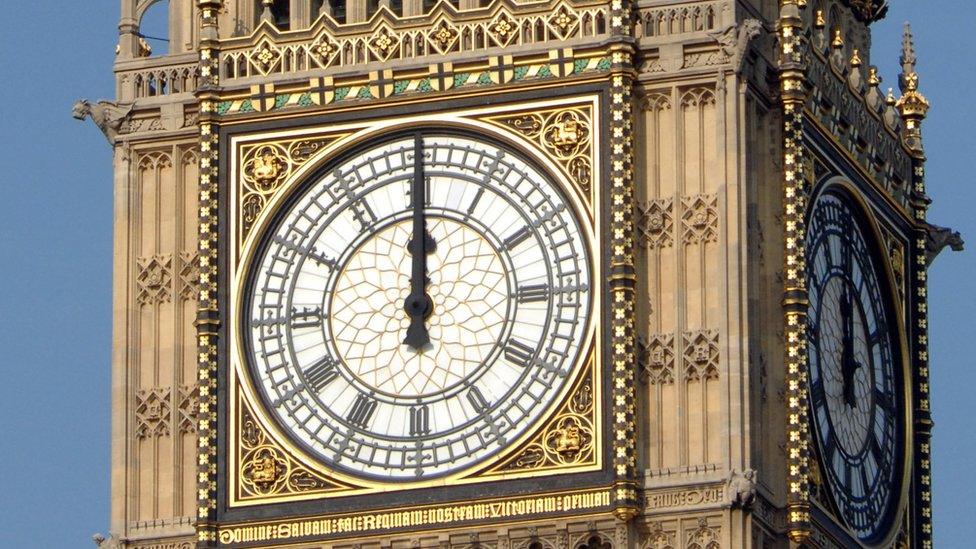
(477, 400)
(519, 353)
(520, 236)
(321, 373)
(477, 198)
(361, 410)
(533, 293)
(419, 420)
(308, 317)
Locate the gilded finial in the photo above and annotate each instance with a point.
(820, 22)
(838, 41)
(873, 78)
(856, 58)
(911, 104)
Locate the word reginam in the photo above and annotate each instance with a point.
(418, 517)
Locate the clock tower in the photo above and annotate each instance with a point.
(517, 274)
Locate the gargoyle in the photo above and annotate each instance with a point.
(742, 488)
(735, 40)
(937, 238)
(112, 542)
(108, 116)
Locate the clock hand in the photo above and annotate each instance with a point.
(418, 304)
(847, 360)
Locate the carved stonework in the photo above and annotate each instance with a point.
(265, 167)
(656, 359)
(567, 440)
(701, 354)
(703, 537)
(189, 275)
(734, 41)
(565, 135)
(658, 538)
(154, 279)
(699, 218)
(187, 403)
(593, 540)
(742, 488)
(265, 469)
(655, 223)
(152, 412)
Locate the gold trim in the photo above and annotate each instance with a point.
(405, 519)
(352, 134)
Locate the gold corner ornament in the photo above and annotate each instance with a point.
(569, 439)
(265, 470)
(565, 136)
(264, 169)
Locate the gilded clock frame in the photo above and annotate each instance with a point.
(585, 112)
(869, 219)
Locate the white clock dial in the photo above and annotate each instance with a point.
(504, 287)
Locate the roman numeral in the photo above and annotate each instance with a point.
(830, 447)
(477, 400)
(321, 373)
(877, 452)
(519, 353)
(533, 293)
(419, 420)
(884, 401)
(817, 392)
(477, 198)
(308, 317)
(361, 410)
(520, 236)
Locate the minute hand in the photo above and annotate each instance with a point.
(418, 304)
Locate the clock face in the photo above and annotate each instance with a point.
(407, 339)
(855, 382)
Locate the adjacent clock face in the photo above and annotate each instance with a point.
(855, 379)
(393, 360)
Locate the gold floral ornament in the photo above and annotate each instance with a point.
(563, 23)
(383, 44)
(325, 50)
(265, 57)
(263, 470)
(264, 168)
(503, 29)
(443, 37)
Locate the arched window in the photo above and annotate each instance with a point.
(154, 29)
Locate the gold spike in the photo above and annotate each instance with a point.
(873, 78)
(856, 59)
(838, 41)
(820, 22)
(890, 98)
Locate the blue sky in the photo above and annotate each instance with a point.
(56, 257)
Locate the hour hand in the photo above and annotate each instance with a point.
(417, 307)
